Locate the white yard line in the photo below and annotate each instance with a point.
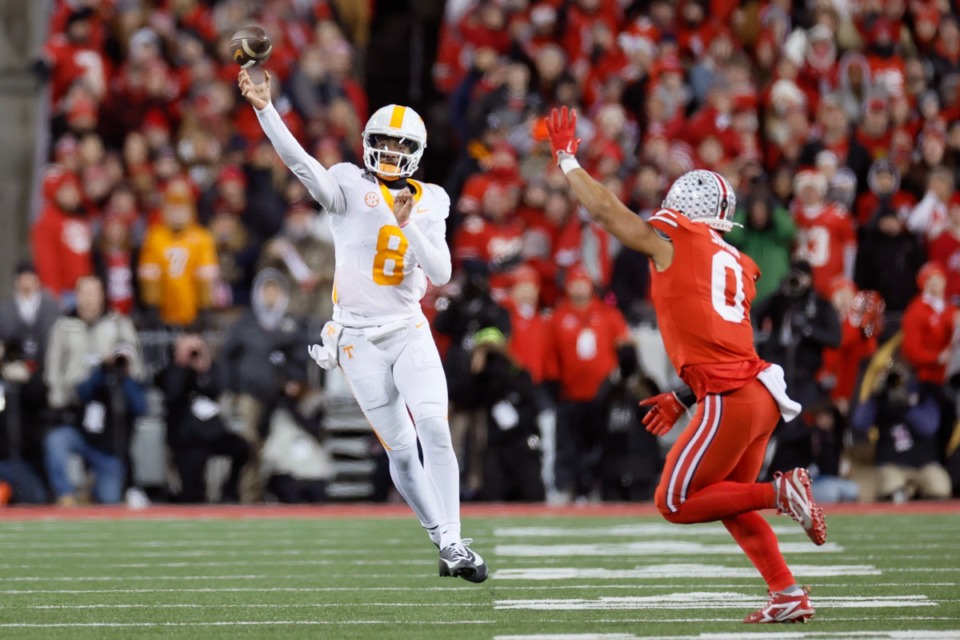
(228, 623)
(762, 635)
(647, 549)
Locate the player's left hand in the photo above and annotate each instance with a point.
(403, 207)
(562, 129)
(666, 410)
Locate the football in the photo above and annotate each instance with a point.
(250, 46)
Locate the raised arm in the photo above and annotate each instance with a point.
(600, 203)
(311, 173)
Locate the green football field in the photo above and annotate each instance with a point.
(881, 575)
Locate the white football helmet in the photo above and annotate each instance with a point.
(703, 196)
(403, 124)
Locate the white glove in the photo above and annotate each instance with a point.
(322, 356)
(326, 354)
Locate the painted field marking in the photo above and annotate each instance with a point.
(770, 635)
(306, 605)
(676, 571)
(226, 623)
(701, 600)
(652, 530)
(646, 549)
(611, 587)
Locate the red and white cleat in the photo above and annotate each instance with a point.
(795, 498)
(783, 608)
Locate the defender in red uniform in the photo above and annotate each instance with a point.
(702, 288)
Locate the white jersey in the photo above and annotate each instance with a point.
(377, 275)
(381, 269)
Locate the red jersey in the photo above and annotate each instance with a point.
(489, 242)
(529, 333)
(945, 250)
(927, 331)
(824, 238)
(583, 347)
(843, 363)
(61, 249)
(703, 303)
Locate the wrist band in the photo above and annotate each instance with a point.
(568, 164)
(686, 396)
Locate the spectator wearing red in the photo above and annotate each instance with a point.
(529, 330)
(825, 234)
(861, 321)
(883, 53)
(944, 249)
(930, 327)
(62, 238)
(695, 29)
(491, 243)
(946, 60)
(72, 56)
(714, 119)
(930, 214)
(585, 335)
(113, 257)
(874, 133)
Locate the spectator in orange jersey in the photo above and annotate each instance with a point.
(62, 238)
(178, 262)
(587, 337)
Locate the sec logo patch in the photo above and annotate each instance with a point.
(372, 199)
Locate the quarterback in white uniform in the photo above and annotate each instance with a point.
(389, 237)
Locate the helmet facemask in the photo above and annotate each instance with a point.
(391, 164)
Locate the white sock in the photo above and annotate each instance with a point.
(444, 472)
(794, 590)
(412, 482)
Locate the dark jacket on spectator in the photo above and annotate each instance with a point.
(263, 349)
(889, 264)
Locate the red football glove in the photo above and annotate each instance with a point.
(666, 410)
(562, 129)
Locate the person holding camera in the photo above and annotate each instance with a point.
(196, 431)
(93, 367)
(506, 394)
(262, 351)
(25, 322)
(906, 423)
(796, 324)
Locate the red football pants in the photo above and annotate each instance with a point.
(711, 474)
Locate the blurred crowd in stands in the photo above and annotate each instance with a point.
(166, 209)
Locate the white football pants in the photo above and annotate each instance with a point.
(393, 368)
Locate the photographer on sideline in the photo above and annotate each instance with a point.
(906, 423)
(195, 429)
(93, 368)
(263, 350)
(794, 326)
